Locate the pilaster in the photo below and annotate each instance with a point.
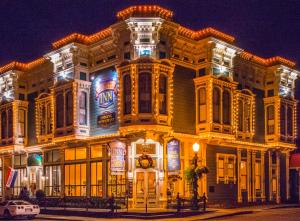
(253, 188)
(263, 178)
(239, 175)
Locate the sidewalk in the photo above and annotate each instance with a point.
(77, 214)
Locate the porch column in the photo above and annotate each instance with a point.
(270, 175)
(278, 177)
(287, 175)
(253, 158)
(249, 175)
(263, 178)
(239, 175)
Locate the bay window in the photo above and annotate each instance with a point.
(270, 120)
(216, 105)
(145, 94)
(163, 82)
(69, 108)
(127, 94)
(59, 110)
(83, 108)
(202, 105)
(226, 107)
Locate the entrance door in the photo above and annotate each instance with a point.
(146, 191)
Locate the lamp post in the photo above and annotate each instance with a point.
(195, 205)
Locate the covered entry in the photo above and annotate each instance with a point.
(146, 188)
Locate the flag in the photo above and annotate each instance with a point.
(11, 178)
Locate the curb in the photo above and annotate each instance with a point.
(228, 215)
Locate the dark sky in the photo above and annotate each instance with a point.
(266, 28)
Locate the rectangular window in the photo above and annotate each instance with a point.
(21, 128)
(270, 120)
(257, 175)
(96, 151)
(75, 179)
(22, 97)
(77, 153)
(202, 72)
(127, 55)
(82, 76)
(163, 84)
(226, 168)
(96, 179)
(202, 105)
(53, 180)
(243, 171)
(52, 156)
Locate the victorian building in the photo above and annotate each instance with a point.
(117, 112)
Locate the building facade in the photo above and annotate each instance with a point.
(117, 112)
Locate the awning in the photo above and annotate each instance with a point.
(295, 161)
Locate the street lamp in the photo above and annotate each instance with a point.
(195, 205)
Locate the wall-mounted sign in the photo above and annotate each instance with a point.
(145, 148)
(104, 100)
(117, 157)
(173, 151)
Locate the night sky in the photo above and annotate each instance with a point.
(265, 28)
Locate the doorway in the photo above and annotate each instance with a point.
(146, 188)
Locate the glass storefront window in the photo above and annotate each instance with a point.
(77, 153)
(20, 181)
(75, 179)
(96, 151)
(96, 179)
(52, 156)
(20, 160)
(52, 180)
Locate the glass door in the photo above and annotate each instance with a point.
(146, 190)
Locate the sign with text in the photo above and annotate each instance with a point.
(104, 102)
(173, 150)
(117, 157)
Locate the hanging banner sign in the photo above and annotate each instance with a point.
(173, 150)
(117, 157)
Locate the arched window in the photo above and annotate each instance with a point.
(83, 108)
(3, 124)
(290, 121)
(282, 119)
(241, 116)
(10, 123)
(216, 105)
(69, 108)
(163, 82)
(145, 101)
(202, 105)
(270, 120)
(127, 94)
(59, 110)
(226, 107)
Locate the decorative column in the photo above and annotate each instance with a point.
(278, 177)
(287, 175)
(270, 174)
(253, 159)
(263, 178)
(249, 175)
(203, 163)
(239, 175)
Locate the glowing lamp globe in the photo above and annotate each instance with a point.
(196, 147)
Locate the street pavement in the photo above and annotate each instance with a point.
(262, 213)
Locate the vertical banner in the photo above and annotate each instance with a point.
(104, 102)
(173, 151)
(117, 157)
(11, 178)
